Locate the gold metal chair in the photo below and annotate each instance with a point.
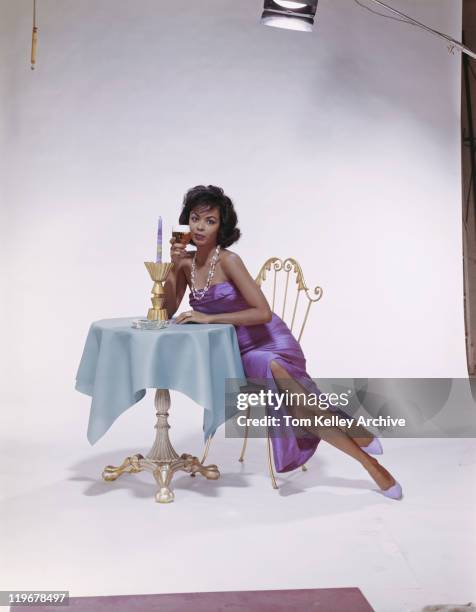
(286, 266)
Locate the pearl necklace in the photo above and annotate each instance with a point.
(199, 294)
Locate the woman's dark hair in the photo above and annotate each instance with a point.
(213, 196)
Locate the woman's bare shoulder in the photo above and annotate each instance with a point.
(232, 263)
(229, 255)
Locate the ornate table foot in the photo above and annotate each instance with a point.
(192, 464)
(130, 464)
(163, 475)
(162, 460)
(164, 472)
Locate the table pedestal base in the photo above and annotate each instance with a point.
(162, 460)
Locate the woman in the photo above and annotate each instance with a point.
(223, 291)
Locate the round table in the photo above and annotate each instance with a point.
(120, 362)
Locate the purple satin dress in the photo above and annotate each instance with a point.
(259, 345)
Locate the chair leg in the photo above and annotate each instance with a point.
(270, 463)
(207, 448)
(268, 442)
(245, 439)
(205, 453)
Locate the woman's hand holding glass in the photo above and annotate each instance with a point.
(181, 236)
(177, 251)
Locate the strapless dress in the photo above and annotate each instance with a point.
(259, 345)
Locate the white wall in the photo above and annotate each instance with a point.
(340, 147)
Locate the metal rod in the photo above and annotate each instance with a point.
(207, 447)
(245, 439)
(298, 293)
(34, 38)
(285, 294)
(469, 111)
(270, 462)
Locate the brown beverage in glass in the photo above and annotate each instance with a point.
(182, 233)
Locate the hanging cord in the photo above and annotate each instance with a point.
(34, 38)
(406, 19)
(382, 14)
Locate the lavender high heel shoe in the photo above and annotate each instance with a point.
(394, 492)
(374, 448)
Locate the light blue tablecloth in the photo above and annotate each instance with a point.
(119, 363)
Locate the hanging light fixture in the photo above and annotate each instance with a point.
(289, 14)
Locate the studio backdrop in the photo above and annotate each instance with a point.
(339, 147)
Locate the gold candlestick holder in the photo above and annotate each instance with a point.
(158, 273)
(157, 317)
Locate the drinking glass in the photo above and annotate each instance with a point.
(182, 233)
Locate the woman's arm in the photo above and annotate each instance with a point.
(259, 311)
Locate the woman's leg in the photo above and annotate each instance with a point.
(333, 435)
(360, 435)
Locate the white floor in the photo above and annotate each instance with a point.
(64, 528)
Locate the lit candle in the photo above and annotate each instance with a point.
(159, 242)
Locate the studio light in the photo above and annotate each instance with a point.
(289, 14)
